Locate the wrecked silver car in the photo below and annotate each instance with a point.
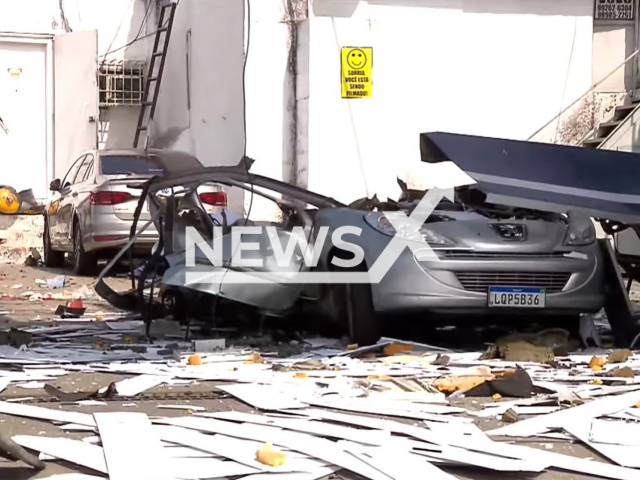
(463, 259)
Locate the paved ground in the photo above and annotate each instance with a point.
(26, 311)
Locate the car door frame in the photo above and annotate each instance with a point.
(82, 189)
(66, 210)
(53, 215)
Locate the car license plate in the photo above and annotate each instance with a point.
(516, 297)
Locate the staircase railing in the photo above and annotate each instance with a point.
(593, 87)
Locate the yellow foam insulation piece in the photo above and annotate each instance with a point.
(396, 348)
(271, 456)
(195, 360)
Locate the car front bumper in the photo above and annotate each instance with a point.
(573, 284)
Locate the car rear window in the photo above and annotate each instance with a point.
(122, 165)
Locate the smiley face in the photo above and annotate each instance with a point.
(356, 59)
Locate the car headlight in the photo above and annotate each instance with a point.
(580, 231)
(406, 229)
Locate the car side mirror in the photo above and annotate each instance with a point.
(55, 185)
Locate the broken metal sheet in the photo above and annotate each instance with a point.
(240, 450)
(461, 456)
(321, 472)
(316, 447)
(263, 397)
(421, 412)
(543, 176)
(131, 447)
(73, 476)
(74, 451)
(172, 450)
(42, 413)
(536, 458)
(583, 413)
(198, 468)
(126, 325)
(70, 427)
(398, 465)
(131, 387)
(366, 437)
(623, 455)
(446, 449)
(615, 433)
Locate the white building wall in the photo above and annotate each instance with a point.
(486, 67)
(118, 23)
(212, 128)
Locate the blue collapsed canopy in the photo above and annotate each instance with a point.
(559, 178)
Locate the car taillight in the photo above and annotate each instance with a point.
(109, 198)
(217, 199)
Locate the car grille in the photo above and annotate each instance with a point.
(552, 282)
(470, 254)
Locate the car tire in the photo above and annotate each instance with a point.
(353, 307)
(84, 263)
(52, 258)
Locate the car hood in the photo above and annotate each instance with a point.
(546, 177)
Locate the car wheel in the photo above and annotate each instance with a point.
(353, 307)
(84, 263)
(52, 258)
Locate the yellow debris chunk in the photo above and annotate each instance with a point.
(255, 358)
(271, 456)
(473, 378)
(596, 381)
(496, 397)
(597, 362)
(301, 375)
(195, 360)
(353, 346)
(396, 348)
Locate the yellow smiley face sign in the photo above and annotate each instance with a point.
(356, 67)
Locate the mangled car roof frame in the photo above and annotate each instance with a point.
(238, 175)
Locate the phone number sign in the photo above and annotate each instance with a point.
(615, 10)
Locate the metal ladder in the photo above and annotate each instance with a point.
(166, 14)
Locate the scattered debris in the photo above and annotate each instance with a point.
(15, 338)
(291, 431)
(465, 380)
(56, 282)
(515, 384)
(72, 309)
(208, 345)
(619, 356)
(510, 416)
